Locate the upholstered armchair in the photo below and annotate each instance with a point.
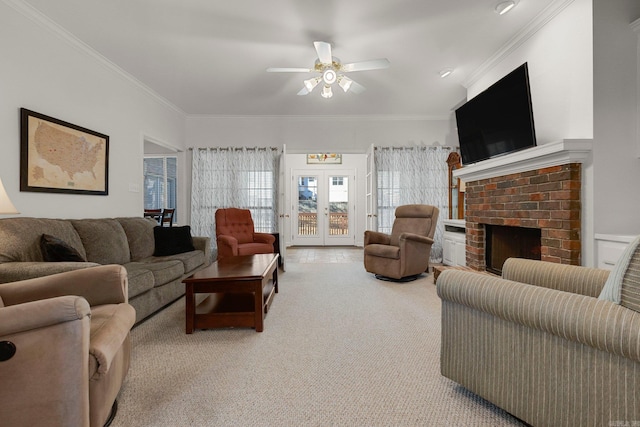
(552, 344)
(235, 234)
(64, 347)
(403, 254)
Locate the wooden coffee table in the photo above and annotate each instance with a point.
(241, 290)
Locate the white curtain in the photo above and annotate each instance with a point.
(244, 178)
(412, 175)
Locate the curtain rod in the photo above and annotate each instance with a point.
(232, 148)
(430, 147)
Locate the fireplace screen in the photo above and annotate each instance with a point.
(504, 242)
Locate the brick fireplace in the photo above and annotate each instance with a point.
(547, 199)
(531, 190)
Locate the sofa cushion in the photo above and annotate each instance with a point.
(172, 240)
(140, 279)
(190, 260)
(57, 250)
(20, 237)
(103, 239)
(139, 233)
(623, 284)
(163, 271)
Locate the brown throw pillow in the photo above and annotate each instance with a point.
(56, 250)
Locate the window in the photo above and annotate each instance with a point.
(337, 180)
(160, 176)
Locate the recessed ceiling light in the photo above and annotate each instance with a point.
(504, 7)
(444, 73)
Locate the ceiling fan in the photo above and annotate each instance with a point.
(332, 71)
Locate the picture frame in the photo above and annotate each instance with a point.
(60, 157)
(324, 158)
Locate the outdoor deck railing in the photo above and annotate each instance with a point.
(308, 224)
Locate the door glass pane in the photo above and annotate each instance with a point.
(307, 206)
(338, 205)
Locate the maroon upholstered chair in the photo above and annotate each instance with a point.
(235, 234)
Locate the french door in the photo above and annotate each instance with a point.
(322, 208)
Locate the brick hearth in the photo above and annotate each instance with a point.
(546, 198)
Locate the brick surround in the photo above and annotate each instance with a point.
(547, 198)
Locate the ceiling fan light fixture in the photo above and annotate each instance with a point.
(504, 7)
(326, 92)
(345, 83)
(311, 83)
(329, 76)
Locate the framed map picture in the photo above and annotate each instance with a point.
(59, 157)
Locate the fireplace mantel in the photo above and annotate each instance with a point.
(539, 157)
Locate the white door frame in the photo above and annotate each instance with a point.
(323, 238)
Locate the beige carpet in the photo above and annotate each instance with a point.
(340, 348)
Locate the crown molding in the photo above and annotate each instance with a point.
(543, 18)
(45, 22)
(327, 118)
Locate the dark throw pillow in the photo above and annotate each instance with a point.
(56, 250)
(172, 240)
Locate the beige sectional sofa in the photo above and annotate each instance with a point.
(153, 281)
(539, 343)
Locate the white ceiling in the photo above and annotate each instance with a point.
(209, 57)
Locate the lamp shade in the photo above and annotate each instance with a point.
(6, 207)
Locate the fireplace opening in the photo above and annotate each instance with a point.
(504, 242)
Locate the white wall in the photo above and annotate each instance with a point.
(617, 167)
(559, 56)
(45, 70)
(309, 134)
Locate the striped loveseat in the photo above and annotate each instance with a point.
(540, 344)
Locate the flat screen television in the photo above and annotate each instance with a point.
(497, 121)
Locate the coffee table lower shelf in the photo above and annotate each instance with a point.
(230, 310)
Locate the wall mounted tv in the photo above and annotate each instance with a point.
(497, 121)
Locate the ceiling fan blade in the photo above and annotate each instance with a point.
(289, 70)
(324, 52)
(374, 64)
(303, 91)
(356, 87)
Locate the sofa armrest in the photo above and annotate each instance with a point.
(569, 278)
(264, 238)
(14, 271)
(105, 284)
(203, 244)
(376, 238)
(596, 323)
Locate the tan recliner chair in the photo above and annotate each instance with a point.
(403, 254)
(64, 347)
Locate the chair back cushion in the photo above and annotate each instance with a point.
(235, 222)
(417, 219)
